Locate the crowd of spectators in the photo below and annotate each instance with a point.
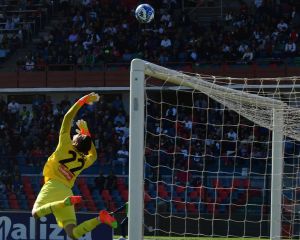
(207, 137)
(19, 20)
(106, 31)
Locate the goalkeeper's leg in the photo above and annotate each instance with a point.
(76, 232)
(51, 207)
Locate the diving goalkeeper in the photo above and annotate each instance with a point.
(60, 172)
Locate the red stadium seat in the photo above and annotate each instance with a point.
(111, 205)
(85, 191)
(161, 188)
(191, 207)
(124, 195)
(212, 208)
(194, 195)
(14, 204)
(147, 197)
(81, 181)
(216, 183)
(25, 179)
(237, 183)
(91, 206)
(120, 181)
(163, 194)
(106, 195)
(31, 197)
(201, 192)
(180, 189)
(121, 188)
(12, 196)
(180, 206)
(246, 183)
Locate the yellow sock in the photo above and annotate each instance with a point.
(85, 227)
(49, 208)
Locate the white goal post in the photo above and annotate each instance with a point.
(266, 111)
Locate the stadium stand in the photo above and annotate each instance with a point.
(28, 134)
(19, 21)
(247, 33)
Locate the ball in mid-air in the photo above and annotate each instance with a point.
(144, 13)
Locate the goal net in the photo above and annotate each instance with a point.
(212, 156)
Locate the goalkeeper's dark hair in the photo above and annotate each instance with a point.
(82, 143)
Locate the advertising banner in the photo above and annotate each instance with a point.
(21, 225)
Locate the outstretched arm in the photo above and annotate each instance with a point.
(83, 129)
(69, 116)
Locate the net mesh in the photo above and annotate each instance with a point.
(208, 145)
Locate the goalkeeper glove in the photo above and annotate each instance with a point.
(83, 128)
(89, 99)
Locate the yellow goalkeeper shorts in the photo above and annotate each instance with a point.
(52, 191)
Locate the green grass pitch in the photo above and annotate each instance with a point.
(192, 238)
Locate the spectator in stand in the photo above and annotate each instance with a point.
(242, 48)
(111, 181)
(120, 118)
(2, 104)
(65, 104)
(197, 159)
(117, 104)
(9, 25)
(294, 35)
(13, 110)
(17, 184)
(282, 26)
(109, 155)
(2, 188)
(100, 182)
(122, 158)
(290, 49)
(248, 56)
(166, 43)
(29, 64)
(122, 138)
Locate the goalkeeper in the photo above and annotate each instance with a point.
(69, 159)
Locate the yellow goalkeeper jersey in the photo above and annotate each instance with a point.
(66, 163)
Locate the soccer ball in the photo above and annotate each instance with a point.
(144, 13)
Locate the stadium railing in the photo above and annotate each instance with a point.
(117, 74)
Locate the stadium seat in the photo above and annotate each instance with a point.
(124, 195)
(180, 206)
(180, 189)
(147, 198)
(13, 203)
(237, 183)
(246, 183)
(212, 208)
(106, 195)
(12, 196)
(5, 204)
(163, 194)
(191, 207)
(216, 183)
(81, 181)
(193, 196)
(25, 179)
(90, 204)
